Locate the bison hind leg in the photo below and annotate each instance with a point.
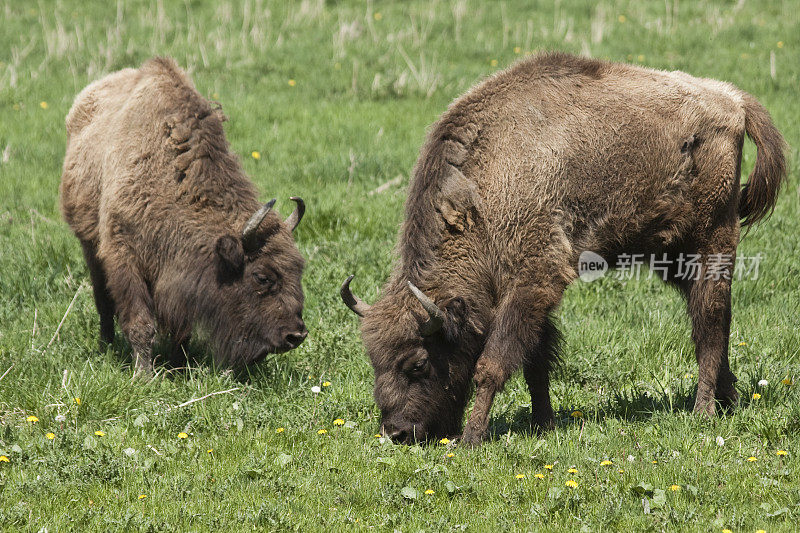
(102, 298)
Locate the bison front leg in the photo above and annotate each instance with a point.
(520, 332)
(536, 368)
(102, 299)
(134, 307)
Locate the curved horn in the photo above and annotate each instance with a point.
(255, 221)
(297, 215)
(436, 320)
(352, 301)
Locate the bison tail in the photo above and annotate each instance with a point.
(758, 196)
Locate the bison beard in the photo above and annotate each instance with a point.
(552, 157)
(171, 228)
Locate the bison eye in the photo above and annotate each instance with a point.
(419, 366)
(263, 279)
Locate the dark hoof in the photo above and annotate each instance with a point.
(472, 438)
(728, 400)
(540, 427)
(705, 407)
(143, 368)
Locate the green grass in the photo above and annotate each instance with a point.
(370, 77)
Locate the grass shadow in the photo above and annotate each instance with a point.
(629, 405)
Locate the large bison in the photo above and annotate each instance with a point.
(553, 157)
(171, 227)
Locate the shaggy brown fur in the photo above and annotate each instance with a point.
(552, 157)
(159, 204)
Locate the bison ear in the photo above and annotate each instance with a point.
(459, 318)
(230, 257)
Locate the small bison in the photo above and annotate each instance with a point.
(553, 157)
(171, 227)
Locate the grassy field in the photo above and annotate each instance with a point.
(336, 98)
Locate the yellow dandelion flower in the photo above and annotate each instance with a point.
(43, 105)
(100, 433)
(674, 488)
(444, 441)
(654, 462)
(742, 344)
(571, 483)
(548, 467)
(787, 381)
(621, 471)
(322, 431)
(517, 49)
(183, 435)
(377, 16)
(4, 459)
(640, 58)
(50, 436)
(279, 430)
(377, 435)
(256, 155)
(142, 496)
(622, 19)
(752, 459)
(215, 96)
(780, 44)
(451, 455)
(429, 492)
(292, 83)
(326, 384)
(727, 531)
(756, 396)
(539, 476)
(573, 470)
(210, 450)
(493, 62)
(576, 414)
(520, 476)
(338, 422)
(77, 401)
(605, 463)
(760, 531)
(32, 419)
(782, 453)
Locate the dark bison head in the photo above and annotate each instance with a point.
(423, 355)
(256, 299)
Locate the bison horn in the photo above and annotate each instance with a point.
(434, 323)
(255, 221)
(352, 301)
(297, 215)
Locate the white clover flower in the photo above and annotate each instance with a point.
(60, 418)
(631, 458)
(315, 389)
(763, 383)
(720, 441)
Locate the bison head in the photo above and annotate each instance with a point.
(423, 356)
(257, 298)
